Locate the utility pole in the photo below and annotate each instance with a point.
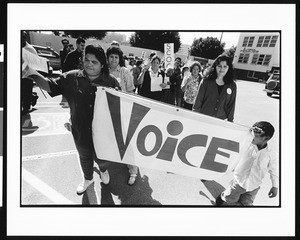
(221, 37)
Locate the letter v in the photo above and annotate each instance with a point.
(137, 114)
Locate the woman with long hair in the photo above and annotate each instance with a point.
(217, 91)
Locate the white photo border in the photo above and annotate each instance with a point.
(152, 221)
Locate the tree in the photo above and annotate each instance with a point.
(85, 34)
(208, 47)
(155, 39)
(230, 52)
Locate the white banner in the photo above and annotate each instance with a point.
(143, 56)
(169, 55)
(130, 129)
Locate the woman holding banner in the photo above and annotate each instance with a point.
(79, 87)
(217, 91)
(117, 68)
(152, 80)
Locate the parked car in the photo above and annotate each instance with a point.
(50, 54)
(273, 83)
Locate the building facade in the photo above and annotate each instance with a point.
(256, 53)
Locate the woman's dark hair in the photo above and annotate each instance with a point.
(212, 74)
(80, 40)
(139, 62)
(98, 51)
(195, 64)
(117, 51)
(266, 127)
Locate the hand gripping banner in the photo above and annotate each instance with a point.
(130, 129)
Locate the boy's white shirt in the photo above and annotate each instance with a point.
(254, 165)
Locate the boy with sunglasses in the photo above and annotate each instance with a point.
(255, 163)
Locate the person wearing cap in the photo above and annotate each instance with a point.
(64, 51)
(115, 44)
(255, 163)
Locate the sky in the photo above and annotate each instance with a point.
(230, 38)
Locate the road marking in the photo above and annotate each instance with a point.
(45, 124)
(48, 155)
(45, 189)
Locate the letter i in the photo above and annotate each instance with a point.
(174, 128)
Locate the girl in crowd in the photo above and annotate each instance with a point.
(148, 76)
(190, 86)
(117, 68)
(217, 92)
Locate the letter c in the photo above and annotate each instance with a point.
(188, 143)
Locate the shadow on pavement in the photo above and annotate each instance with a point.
(118, 192)
(90, 196)
(27, 127)
(214, 188)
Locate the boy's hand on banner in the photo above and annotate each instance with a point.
(273, 192)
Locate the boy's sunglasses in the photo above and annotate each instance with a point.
(257, 130)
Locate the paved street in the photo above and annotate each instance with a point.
(51, 172)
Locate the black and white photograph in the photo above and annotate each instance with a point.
(51, 123)
(138, 119)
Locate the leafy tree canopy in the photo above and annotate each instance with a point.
(208, 47)
(155, 39)
(230, 52)
(85, 34)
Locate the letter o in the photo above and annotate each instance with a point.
(168, 59)
(141, 138)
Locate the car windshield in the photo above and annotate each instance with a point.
(46, 53)
(275, 76)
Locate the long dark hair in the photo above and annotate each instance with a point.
(212, 73)
(99, 53)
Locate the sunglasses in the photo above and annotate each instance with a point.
(257, 130)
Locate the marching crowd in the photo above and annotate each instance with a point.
(211, 92)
